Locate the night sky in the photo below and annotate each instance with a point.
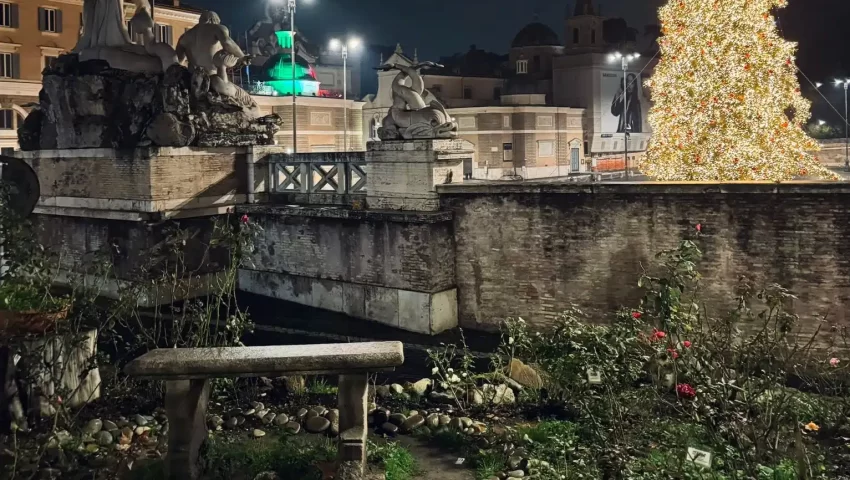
(435, 27)
(444, 27)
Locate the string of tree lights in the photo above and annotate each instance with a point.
(728, 105)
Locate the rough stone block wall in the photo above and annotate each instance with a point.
(533, 251)
(404, 251)
(82, 243)
(141, 174)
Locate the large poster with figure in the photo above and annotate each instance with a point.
(620, 111)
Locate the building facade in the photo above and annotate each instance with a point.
(34, 33)
(517, 135)
(321, 123)
(586, 76)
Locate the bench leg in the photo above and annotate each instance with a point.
(352, 426)
(186, 407)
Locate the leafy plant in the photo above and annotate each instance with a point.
(396, 460)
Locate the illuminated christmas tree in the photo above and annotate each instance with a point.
(727, 100)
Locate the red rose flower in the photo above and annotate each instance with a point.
(636, 315)
(699, 227)
(244, 219)
(673, 353)
(687, 344)
(684, 390)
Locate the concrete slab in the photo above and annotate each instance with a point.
(381, 305)
(443, 311)
(414, 311)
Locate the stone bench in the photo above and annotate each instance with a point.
(187, 373)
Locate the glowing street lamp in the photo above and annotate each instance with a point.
(625, 60)
(336, 45)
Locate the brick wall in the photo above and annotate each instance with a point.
(532, 251)
(405, 251)
(142, 174)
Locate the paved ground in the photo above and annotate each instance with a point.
(436, 464)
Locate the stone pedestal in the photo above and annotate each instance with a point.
(403, 175)
(118, 204)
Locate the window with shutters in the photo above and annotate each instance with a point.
(7, 120)
(164, 34)
(506, 121)
(8, 65)
(575, 35)
(467, 93)
(497, 93)
(593, 37)
(50, 20)
(8, 15)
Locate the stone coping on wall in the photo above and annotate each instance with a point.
(632, 188)
(139, 152)
(346, 213)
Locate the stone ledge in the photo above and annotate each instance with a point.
(136, 153)
(420, 312)
(347, 214)
(658, 188)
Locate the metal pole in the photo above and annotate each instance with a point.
(294, 93)
(345, 95)
(626, 116)
(846, 132)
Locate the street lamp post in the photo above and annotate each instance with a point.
(352, 43)
(846, 84)
(292, 53)
(625, 59)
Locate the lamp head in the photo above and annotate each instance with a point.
(354, 43)
(335, 44)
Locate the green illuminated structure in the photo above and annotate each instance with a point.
(277, 71)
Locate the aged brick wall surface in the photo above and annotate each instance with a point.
(141, 174)
(81, 242)
(531, 252)
(405, 251)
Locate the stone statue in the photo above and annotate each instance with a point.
(143, 34)
(208, 47)
(103, 25)
(262, 35)
(409, 117)
(161, 103)
(105, 37)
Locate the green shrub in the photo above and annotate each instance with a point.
(397, 461)
(293, 458)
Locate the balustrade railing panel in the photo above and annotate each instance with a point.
(315, 176)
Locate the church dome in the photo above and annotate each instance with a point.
(536, 35)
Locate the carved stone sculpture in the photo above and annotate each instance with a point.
(103, 25)
(143, 26)
(208, 46)
(409, 117)
(90, 105)
(262, 35)
(117, 94)
(105, 37)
